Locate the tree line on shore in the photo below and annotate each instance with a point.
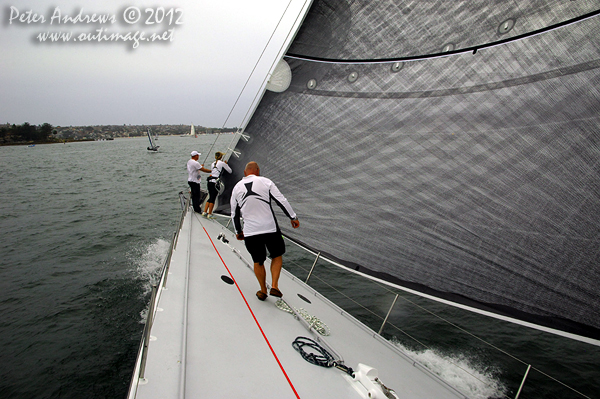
(46, 133)
(27, 133)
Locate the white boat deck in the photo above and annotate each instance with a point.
(211, 339)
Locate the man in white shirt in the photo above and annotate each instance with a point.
(193, 167)
(251, 200)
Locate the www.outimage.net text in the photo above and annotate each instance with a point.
(159, 25)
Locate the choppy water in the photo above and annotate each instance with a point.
(84, 228)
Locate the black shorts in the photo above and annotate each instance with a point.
(257, 246)
(212, 191)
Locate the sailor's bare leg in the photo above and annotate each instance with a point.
(276, 270)
(261, 276)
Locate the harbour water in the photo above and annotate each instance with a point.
(85, 227)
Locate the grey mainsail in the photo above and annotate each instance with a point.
(473, 177)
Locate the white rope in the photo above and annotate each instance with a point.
(314, 322)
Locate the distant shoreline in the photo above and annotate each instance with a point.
(27, 134)
(27, 143)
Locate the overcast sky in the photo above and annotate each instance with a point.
(194, 78)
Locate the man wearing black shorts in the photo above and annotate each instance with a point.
(251, 200)
(193, 167)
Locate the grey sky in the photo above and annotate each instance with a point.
(195, 78)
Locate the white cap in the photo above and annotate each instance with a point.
(194, 153)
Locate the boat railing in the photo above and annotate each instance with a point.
(140, 368)
(146, 333)
(392, 307)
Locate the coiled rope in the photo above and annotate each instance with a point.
(314, 322)
(319, 355)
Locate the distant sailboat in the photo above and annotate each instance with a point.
(192, 132)
(153, 146)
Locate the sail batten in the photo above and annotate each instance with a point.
(473, 178)
(472, 49)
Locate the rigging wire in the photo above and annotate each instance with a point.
(260, 92)
(211, 147)
(287, 38)
(257, 62)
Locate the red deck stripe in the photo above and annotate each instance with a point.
(253, 316)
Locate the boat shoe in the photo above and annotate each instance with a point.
(261, 295)
(276, 292)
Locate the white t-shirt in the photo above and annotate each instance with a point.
(217, 167)
(193, 168)
(251, 199)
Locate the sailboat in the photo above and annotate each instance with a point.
(192, 132)
(443, 149)
(153, 146)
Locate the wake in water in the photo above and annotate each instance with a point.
(460, 372)
(148, 262)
